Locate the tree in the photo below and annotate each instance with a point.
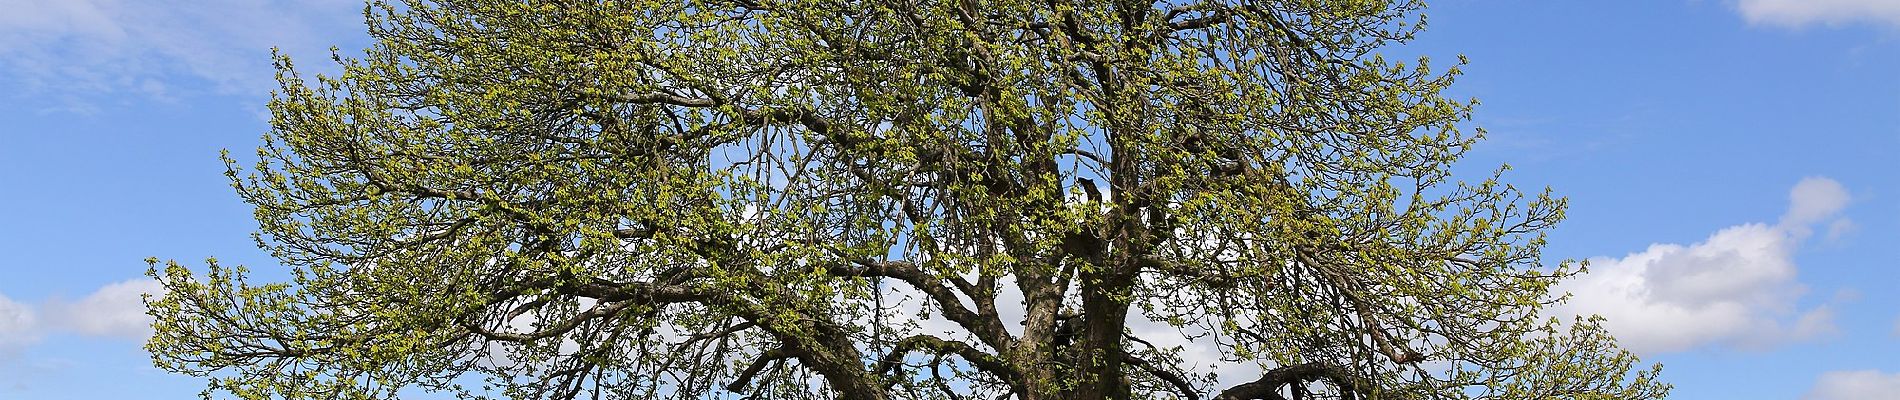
(873, 200)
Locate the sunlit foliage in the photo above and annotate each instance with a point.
(724, 198)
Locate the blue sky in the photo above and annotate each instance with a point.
(1729, 163)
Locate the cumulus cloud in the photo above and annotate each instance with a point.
(1793, 13)
(71, 51)
(1813, 200)
(1854, 385)
(1737, 287)
(115, 310)
(18, 325)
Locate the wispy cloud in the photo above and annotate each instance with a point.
(1795, 13)
(1738, 287)
(78, 54)
(1854, 385)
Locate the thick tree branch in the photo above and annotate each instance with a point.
(745, 377)
(1180, 384)
(987, 329)
(1269, 384)
(983, 361)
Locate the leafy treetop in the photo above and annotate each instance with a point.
(889, 199)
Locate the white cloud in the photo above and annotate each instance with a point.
(69, 52)
(1737, 287)
(1793, 13)
(18, 325)
(116, 310)
(1855, 385)
(1813, 200)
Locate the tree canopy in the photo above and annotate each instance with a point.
(914, 199)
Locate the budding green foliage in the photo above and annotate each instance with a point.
(875, 200)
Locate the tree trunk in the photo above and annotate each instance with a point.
(1105, 314)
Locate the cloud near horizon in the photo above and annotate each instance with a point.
(1797, 13)
(116, 310)
(1736, 288)
(1854, 385)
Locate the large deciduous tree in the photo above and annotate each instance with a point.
(884, 199)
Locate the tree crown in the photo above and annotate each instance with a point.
(867, 200)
